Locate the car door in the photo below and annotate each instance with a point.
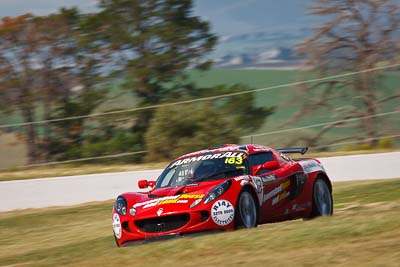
(277, 184)
(291, 177)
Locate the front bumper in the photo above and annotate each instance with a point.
(138, 229)
(168, 237)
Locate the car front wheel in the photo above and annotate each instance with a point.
(246, 208)
(116, 242)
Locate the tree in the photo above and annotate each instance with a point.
(158, 40)
(179, 130)
(69, 135)
(75, 69)
(240, 108)
(356, 35)
(41, 61)
(176, 130)
(57, 68)
(18, 89)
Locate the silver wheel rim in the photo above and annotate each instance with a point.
(247, 209)
(323, 198)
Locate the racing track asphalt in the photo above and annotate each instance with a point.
(72, 190)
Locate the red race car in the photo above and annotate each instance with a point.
(223, 188)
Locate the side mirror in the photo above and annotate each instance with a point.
(145, 184)
(270, 165)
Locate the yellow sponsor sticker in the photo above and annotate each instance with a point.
(237, 161)
(282, 196)
(181, 199)
(191, 196)
(167, 201)
(285, 185)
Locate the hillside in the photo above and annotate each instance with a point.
(284, 99)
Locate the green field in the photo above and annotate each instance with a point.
(364, 231)
(284, 99)
(12, 150)
(288, 101)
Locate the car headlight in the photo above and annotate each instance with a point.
(120, 205)
(217, 191)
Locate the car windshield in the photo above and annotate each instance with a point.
(209, 166)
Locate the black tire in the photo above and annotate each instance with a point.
(115, 239)
(246, 211)
(322, 199)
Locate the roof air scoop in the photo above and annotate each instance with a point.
(221, 146)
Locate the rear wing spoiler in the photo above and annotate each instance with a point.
(301, 150)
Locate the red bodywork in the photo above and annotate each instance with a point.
(282, 191)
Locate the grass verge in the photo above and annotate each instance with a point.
(363, 232)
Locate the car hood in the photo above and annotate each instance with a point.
(169, 199)
(185, 189)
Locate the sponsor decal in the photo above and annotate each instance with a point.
(160, 211)
(239, 178)
(277, 190)
(178, 199)
(244, 182)
(117, 226)
(280, 197)
(311, 166)
(259, 183)
(222, 212)
(234, 155)
(237, 161)
(191, 196)
(259, 148)
(192, 185)
(227, 148)
(269, 178)
(259, 186)
(152, 204)
(172, 201)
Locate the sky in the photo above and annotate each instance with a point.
(227, 17)
(240, 16)
(42, 7)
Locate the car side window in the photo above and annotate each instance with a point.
(260, 158)
(283, 158)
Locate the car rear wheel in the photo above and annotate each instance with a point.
(322, 199)
(246, 215)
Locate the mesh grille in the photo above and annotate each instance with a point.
(204, 215)
(163, 224)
